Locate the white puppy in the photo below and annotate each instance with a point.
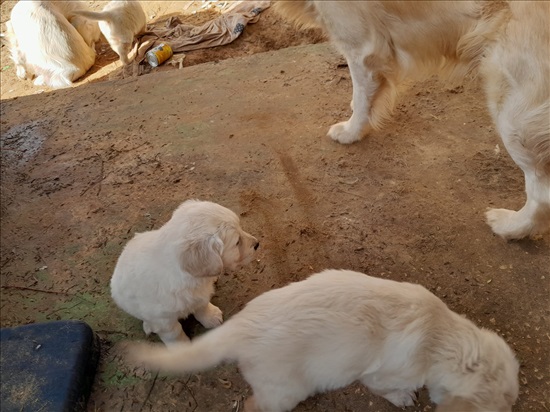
(89, 30)
(44, 43)
(167, 274)
(385, 42)
(120, 21)
(337, 327)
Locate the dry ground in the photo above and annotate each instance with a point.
(83, 169)
(269, 33)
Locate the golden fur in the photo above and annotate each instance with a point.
(386, 42)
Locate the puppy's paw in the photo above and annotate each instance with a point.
(40, 81)
(209, 317)
(172, 336)
(341, 134)
(508, 223)
(179, 339)
(401, 398)
(21, 72)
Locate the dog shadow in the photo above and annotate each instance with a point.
(192, 327)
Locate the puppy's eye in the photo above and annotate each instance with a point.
(238, 242)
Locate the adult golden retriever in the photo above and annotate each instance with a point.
(385, 42)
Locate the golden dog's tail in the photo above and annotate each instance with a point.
(204, 352)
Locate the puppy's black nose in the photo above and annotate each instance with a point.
(257, 245)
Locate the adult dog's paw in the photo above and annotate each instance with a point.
(341, 134)
(508, 223)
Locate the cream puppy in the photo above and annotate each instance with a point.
(169, 273)
(89, 30)
(120, 21)
(337, 327)
(387, 42)
(44, 43)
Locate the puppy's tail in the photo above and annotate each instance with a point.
(204, 352)
(94, 15)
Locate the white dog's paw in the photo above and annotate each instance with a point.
(177, 340)
(209, 317)
(341, 134)
(40, 81)
(21, 72)
(508, 223)
(170, 335)
(401, 398)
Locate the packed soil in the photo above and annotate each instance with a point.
(271, 32)
(244, 125)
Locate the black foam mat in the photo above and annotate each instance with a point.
(47, 367)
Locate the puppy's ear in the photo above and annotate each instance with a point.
(202, 257)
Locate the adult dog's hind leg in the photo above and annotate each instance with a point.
(373, 96)
(526, 135)
(517, 80)
(533, 218)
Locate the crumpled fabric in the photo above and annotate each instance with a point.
(184, 37)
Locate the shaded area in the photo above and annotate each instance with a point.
(406, 203)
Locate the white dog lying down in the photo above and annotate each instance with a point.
(385, 42)
(337, 327)
(167, 274)
(120, 21)
(48, 41)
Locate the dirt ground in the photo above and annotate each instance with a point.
(269, 33)
(85, 168)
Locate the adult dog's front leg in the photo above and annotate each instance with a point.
(532, 219)
(364, 87)
(373, 98)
